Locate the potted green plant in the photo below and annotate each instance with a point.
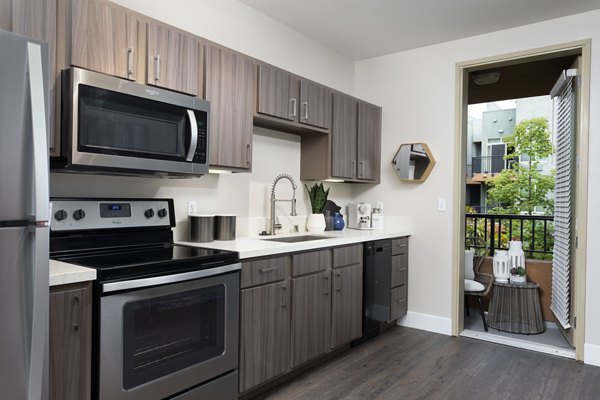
(518, 275)
(318, 196)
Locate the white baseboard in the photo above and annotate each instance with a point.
(426, 322)
(591, 354)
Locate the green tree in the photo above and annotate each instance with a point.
(524, 188)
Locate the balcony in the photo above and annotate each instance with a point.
(483, 168)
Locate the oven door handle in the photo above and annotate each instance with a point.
(162, 280)
(194, 136)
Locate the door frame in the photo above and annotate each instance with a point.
(582, 47)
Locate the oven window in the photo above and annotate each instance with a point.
(121, 124)
(165, 334)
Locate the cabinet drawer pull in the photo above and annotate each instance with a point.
(156, 67)
(293, 102)
(283, 297)
(268, 269)
(339, 279)
(305, 105)
(326, 278)
(130, 63)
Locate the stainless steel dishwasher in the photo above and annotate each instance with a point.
(377, 293)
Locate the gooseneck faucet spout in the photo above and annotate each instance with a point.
(275, 226)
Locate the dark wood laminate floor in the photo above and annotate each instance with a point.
(408, 364)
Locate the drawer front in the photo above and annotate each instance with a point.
(268, 270)
(399, 270)
(349, 255)
(398, 306)
(308, 263)
(400, 246)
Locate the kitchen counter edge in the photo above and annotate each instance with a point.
(62, 273)
(252, 247)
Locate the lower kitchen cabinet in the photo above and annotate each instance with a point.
(346, 307)
(265, 333)
(399, 278)
(70, 342)
(311, 314)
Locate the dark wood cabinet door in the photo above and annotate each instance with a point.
(229, 86)
(104, 38)
(70, 342)
(315, 104)
(311, 313)
(346, 309)
(174, 59)
(399, 269)
(343, 137)
(369, 142)
(264, 334)
(277, 93)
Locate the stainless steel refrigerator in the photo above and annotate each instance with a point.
(23, 219)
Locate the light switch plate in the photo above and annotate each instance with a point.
(441, 204)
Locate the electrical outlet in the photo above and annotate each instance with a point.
(192, 207)
(441, 204)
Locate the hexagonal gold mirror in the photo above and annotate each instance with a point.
(413, 162)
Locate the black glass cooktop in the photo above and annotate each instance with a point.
(115, 264)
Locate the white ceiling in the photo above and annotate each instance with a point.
(361, 29)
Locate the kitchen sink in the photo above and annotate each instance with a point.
(294, 239)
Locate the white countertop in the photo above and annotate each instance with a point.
(251, 247)
(62, 273)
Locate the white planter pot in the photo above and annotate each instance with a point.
(518, 279)
(501, 266)
(315, 223)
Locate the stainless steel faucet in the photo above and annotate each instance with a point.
(275, 226)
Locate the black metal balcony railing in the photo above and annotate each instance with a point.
(535, 231)
(489, 165)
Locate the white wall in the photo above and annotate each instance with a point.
(232, 24)
(416, 89)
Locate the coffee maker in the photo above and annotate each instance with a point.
(359, 216)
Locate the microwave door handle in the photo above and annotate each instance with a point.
(194, 138)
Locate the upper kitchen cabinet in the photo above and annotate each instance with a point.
(352, 151)
(315, 104)
(369, 142)
(174, 59)
(229, 86)
(290, 103)
(104, 38)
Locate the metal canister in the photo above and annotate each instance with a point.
(225, 227)
(202, 228)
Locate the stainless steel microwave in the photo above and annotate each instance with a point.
(116, 126)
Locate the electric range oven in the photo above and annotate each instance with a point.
(165, 317)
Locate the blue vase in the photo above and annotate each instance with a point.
(338, 222)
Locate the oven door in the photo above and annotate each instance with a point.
(117, 124)
(160, 341)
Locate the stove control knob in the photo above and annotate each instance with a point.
(162, 213)
(149, 213)
(60, 215)
(79, 214)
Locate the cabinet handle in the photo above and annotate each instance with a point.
(353, 167)
(76, 314)
(130, 63)
(326, 278)
(156, 67)
(361, 168)
(339, 279)
(283, 296)
(268, 269)
(305, 105)
(248, 154)
(293, 102)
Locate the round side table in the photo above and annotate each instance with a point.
(516, 308)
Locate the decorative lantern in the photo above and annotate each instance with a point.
(516, 254)
(501, 266)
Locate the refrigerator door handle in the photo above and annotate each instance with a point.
(39, 327)
(39, 130)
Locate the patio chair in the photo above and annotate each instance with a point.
(481, 284)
